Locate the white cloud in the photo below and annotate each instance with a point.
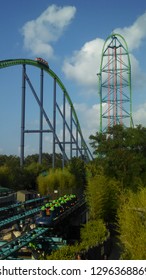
(138, 76)
(139, 115)
(84, 64)
(88, 118)
(135, 33)
(47, 28)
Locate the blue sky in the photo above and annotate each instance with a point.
(69, 34)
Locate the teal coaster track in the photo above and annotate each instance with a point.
(10, 247)
(72, 127)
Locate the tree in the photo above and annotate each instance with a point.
(77, 167)
(92, 234)
(66, 252)
(32, 171)
(132, 224)
(46, 160)
(59, 179)
(94, 168)
(122, 153)
(4, 176)
(102, 195)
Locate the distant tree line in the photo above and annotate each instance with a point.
(41, 177)
(15, 177)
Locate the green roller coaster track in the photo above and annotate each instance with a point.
(35, 63)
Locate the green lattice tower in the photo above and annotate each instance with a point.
(115, 84)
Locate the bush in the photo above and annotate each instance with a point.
(65, 253)
(132, 225)
(61, 180)
(92, 234)
(102, 195)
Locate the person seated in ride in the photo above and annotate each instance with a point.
(43, 211)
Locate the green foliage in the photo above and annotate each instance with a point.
(132, 224)
(4, 176)
(9, 160)
(17, 178)
(46, 160)
(57, 179)
(95, 196)
(12, 176)
(92, 234)
(34, 168)
(102, 195)
(42, 185)
(76, 166)
(64, 253)
(94, 168)
(122, 154)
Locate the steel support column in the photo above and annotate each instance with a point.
(71, 132)
(54, 124)
(22, 115)
(64, 112)
(70, 126)
(77, 151)
(41, 117)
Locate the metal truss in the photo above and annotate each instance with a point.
(115, 84)
(70, 143)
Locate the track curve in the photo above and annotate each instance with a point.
(21, 61)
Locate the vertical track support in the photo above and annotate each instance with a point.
(23, 116)
(64, 113)
(54, 124)
(71, 132)
(41, 117)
